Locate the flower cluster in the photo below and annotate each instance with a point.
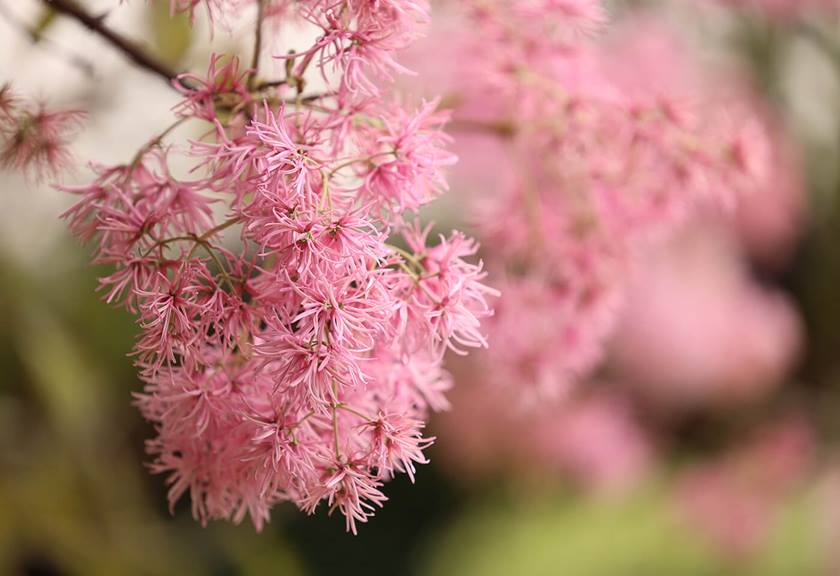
(596, 442)
(699, 331)
(298, 361)
(610, 145)
(33, 139)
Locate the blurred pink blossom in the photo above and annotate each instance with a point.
(595, 441)
(698, 331)
(770, 220)
(601, 148)
(733, 501)
(34, 139)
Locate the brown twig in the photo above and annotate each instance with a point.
(255, 59)
(37, 37)
(500, 128)
(129, 49)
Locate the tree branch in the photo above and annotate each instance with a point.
(129, 49)
(255, 60)
(37, 37)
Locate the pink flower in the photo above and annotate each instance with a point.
(350, 489)
(406, 157)
(448, 292)
(699, 332)
(397, 443)
(224, 89)
(595, 441)
(9, 102)
(35, 141)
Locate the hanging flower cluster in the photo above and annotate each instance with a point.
(608, 145)
(298, 362)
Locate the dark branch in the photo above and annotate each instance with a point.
(255, 61)
(129, 49)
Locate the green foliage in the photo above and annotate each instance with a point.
(640, 535)
(75, 497)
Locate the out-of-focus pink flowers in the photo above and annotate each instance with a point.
(632, 179)
(697, 331)
(301, 360)
(607, 146)
(770, 220)
(733, 501)
(595, 441)
(33, 139)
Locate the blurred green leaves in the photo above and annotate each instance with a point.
(75, 497)
(640, 535)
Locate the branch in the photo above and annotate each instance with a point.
(36, 36)
(129, 49)
(500, 128)
(255, 61)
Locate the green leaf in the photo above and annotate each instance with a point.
(172, 35)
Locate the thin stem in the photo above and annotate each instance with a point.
(406, 255)
(166, 242)
(209, 249)
(129, 49)
(500, 128)
(355, 412)
(326, 196)
(197, 241)
(335, 422)
(300, 83)
(255, 59)
(306, 417)
(202, 241)
(358, 160)
(218, 228)
(299, 423)
(270, 84)
(418, 278)
(154, 142)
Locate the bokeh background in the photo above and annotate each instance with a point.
(707, 444)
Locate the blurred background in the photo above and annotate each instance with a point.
(706, 443)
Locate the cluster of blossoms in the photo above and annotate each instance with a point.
(603, 222)
(300, 362)
(33, 139)
(595, 442)
(609, 145)
(699, 332)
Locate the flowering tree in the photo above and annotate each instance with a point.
(294, 314)
(299, 363)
